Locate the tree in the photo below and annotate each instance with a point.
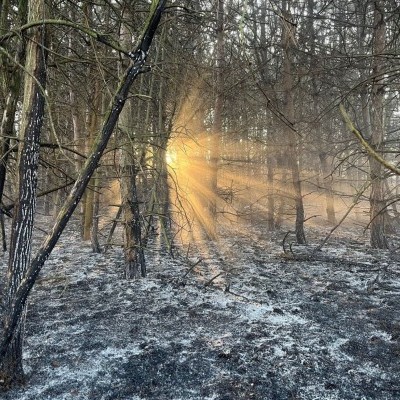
(377, 196)
(11, 84)
(217, 125)
(288, 41)
(21, 233)
(23, 271)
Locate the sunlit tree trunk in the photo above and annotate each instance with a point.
(162, 175)
(288, 40)
(377, 196)
(271, 194)
(282, 165)
(218, 118)
(11, 370)
(328, 186)
(271, 163)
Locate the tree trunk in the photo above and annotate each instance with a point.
(94, 231)
(133, 247)
(288, 39)
(11, 370)
(160, 159)
(162, 188)
(93, 123)
(218, 119)
(271, 194)
(11, 83)
(377, 195)
(329, 196)
(135, 265)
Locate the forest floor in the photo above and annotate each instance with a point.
(267, 327)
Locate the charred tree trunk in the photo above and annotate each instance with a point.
(377, 196)
(11, 83)
(135, 265)
(11, 370)
(94, 230)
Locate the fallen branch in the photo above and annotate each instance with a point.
(192, 267)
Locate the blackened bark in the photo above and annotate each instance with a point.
(94, 231)
(11, 370)
(134, 253)
(12, 78)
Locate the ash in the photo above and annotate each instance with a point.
(229, 320)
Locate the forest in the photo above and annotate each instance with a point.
(199, 199)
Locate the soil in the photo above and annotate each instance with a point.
(227, 320)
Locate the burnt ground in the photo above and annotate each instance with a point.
(266, 327)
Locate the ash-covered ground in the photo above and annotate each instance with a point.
(244, 323)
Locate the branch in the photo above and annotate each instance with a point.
(355, 202)
(364, 143)
(88, 31)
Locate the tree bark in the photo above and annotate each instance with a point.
(11, 83)
(133, 247)
(377, 195)
(93, 122)
(288, 39)
(218, 119)
(270, 189)
(135, 265)
(329, 196)
(134, 259)
(94, 230)
(11, 370)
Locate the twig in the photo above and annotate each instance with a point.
(208, 283)
(355, 202)
(192, 267)
(284, 241)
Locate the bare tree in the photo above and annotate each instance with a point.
(288, 43)
(377, 196)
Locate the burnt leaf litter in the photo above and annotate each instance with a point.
(233, 319)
